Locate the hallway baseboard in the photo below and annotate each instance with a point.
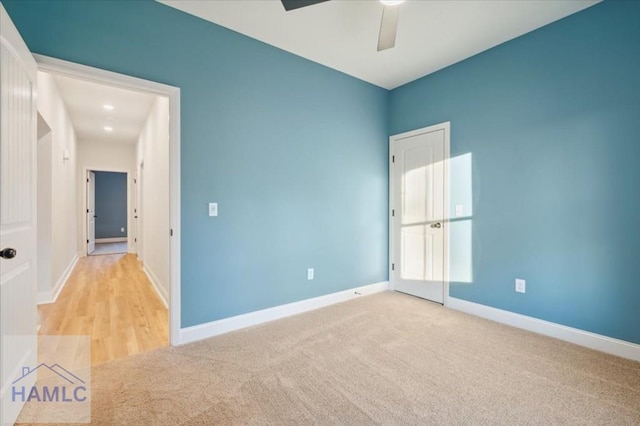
(164, 296)
(50, 296)
(111, 240)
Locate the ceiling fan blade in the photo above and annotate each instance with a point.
(388, 27)
(297, 4)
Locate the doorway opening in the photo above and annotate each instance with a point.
(107, 207)
(108, 155)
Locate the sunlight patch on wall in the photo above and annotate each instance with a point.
(460, 223)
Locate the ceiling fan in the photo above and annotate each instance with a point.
(388, 26)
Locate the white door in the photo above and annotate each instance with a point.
(91, 212)
(18, 138)
(418, 212)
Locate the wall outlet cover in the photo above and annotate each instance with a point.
(521, 286)
(310, 273)
(213, 209)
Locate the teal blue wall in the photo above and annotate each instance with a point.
(111, 204)
(551, 121)
(544, 135)
(294, 153)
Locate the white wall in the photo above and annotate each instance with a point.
(56, 190)
(109, 157)
(153, 153)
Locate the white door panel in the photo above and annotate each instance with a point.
(18, 134)
(412, 265)
(418, 224)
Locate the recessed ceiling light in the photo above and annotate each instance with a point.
(391, 2)
(108, 107)
(108, 128)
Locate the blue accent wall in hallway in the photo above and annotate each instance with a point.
(551, 120)
(294, 153)
(111, 204)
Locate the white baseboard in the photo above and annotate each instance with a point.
(162, 293)
(587, 339)
(214, 328)
(50, 296)
(111, 240)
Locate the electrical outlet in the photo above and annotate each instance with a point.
(121, 229)
(310, 273)
(521, 286)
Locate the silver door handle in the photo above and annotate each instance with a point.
(436, 225)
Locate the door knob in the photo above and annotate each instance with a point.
(8, 253)
(436, 225)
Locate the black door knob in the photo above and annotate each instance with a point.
(8, 253)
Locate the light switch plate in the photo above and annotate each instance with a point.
(213, 209)
(521, 286)
(310, 273)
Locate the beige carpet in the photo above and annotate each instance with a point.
(384, 359)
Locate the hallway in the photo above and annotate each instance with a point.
(110, 298)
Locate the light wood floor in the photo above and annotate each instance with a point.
(109, 298)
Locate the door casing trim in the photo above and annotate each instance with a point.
(85, 231)
(96, 75)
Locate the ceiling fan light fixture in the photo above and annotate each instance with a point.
(391, 2)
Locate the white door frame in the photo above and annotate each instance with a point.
(446, 126)
(139, 196)
(85, 231)
(88, 174)
(96, 75)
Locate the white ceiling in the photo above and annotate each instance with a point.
(85, 100)
(343, 34)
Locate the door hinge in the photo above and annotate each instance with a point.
(135, 240)
(171, 232)
(87, 241)
(135, 181)
(393, 266)
(87, 210)
(393, 158)
(393, 212)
